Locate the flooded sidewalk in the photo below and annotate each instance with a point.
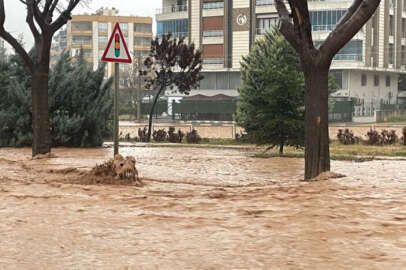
(201, 208)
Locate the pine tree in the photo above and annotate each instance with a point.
(80, 104)
(271, 108)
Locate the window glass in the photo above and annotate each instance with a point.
(213, 5)
(363, 80)
(103, 27)
(387, 80)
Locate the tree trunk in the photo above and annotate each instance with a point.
(41, 143)
(317, 153)
(151, 114)
(281, 149)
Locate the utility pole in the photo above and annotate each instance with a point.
(139, 88)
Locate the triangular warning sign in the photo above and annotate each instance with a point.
(116, 50)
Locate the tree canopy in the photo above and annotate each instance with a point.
(79, 103)
(271, 108)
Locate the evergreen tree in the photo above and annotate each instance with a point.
(79, 104)
(271, 108)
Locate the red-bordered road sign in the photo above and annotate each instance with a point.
(116, 50)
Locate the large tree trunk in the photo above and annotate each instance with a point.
(41, 143)
(317, 153)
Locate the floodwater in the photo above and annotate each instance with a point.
(200, 209)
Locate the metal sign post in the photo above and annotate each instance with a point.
(116, 86)
(116, 52)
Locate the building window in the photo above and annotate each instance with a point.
(363, 79)
(103, 27)
(142, 41)
(391, 54)
(213, 5)
(376, 80)
(325, 20)
(352, 51)
(102, 41)
(143, 27)
(175, 27)
(403, 55)
(391, 25)
(124, 28)
(265, 24)
(81, 40)
(387, 80)
(403, 28)
(81, 26)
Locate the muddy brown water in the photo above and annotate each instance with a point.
(200, 209)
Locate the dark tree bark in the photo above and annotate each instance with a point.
(151, 113)
(281, 149)
(39, 67)
(316, 64)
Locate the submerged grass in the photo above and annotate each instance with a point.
(355, 152)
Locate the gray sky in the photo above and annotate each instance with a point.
(15, 13)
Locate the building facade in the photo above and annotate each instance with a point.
(366, 69)
(91, 33)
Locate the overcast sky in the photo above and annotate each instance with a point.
(15, 13)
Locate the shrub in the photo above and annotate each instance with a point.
(347, 137)
(193, 137)
(175, 137)
(159, 135)
(374, 138)
(389, 137)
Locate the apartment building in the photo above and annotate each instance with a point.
(91, 33)
(366, 69)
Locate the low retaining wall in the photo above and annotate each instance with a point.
(228, 131)
(224, 131)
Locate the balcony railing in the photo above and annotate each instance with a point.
(213, 33)
(213, 5)
(262, 31)
(348, 57)
(213, 61)
(264, 2)
(171, 9)
(174, 35)
(81, 42)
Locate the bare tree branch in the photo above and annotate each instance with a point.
(12, 41)
(347, 28)
(64, 16)
(31, 24)
(301, 23)
(285, 25)
(351, 10)
(32, 4)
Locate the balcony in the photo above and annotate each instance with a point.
(264, 2)
(172, 13)
(213, 61)
(348, 57)
(171, 9)
(262, 31)
(174, 35)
